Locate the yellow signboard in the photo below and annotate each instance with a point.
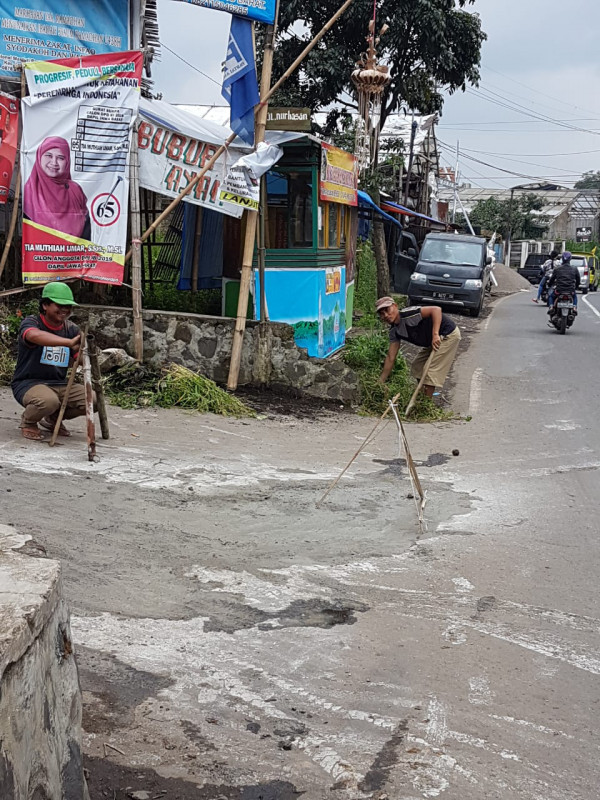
(339, 176)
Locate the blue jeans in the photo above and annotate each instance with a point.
(541, 287)
(551, 298)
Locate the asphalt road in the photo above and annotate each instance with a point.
(234, 638)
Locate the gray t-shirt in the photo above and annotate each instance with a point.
(416, 329)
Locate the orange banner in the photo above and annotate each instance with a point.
(339, 176)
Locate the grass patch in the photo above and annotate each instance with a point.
(176, 386)
(365, 355)
(365, 294)
(168, 298)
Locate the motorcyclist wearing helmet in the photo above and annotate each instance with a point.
(546, 270)
(564, 280)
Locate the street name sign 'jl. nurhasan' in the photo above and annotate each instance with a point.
(259, 10)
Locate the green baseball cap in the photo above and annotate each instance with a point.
(59, 293)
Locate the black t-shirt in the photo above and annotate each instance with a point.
(37, 363)
(416, 329)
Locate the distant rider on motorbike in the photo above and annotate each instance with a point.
(564, 280)
(547, 267)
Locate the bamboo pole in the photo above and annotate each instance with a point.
(251, 214)
(136, 261)
(411, 403)
(251, 219)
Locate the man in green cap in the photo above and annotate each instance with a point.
(48, 343)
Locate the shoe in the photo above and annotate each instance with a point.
(534, 300)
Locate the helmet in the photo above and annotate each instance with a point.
(554, 254)
(566, 257)
(59, 293)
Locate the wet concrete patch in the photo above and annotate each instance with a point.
(397, 466)
(387, 758)
(118, 688)
(194, 734)
(314, 613)
(109, 780)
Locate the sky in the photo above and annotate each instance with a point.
(541, 58)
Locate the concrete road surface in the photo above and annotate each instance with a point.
(236, 642)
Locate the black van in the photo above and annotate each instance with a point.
(452, 271)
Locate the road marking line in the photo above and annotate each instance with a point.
(475, 392)
(589, 305)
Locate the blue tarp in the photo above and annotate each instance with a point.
(366, 200)
(210, 263)
(412, 213)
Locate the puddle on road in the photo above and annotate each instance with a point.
(314, 613)
(107, 779)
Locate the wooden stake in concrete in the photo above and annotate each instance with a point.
(136, 261)
(89, 397)
(97, 386)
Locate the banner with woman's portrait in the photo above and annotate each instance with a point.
(77, 125)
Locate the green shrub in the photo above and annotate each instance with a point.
(365, 355)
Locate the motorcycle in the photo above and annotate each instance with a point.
(562, 313)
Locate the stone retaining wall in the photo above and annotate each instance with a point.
(203, 344)
(40, 699)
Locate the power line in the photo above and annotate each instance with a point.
(533, 102)
(537, 91)
(218, 83)
(503, 102)
(533, 155)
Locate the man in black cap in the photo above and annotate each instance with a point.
(426, 327)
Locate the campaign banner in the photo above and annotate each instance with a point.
(170, 159)
(339, 176)
(51, 29)
(259, 10)
(77, 125)
(9, 126)
(242, 184)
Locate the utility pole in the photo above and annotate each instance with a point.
(455, 183)
(510, 224)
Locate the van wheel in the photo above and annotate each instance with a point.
(475, 312)
(584, 291)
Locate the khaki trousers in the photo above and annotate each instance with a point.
(441, 361)
(44, 401)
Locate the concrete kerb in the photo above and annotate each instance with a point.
(40, 699)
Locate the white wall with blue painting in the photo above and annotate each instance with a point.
(312, 301)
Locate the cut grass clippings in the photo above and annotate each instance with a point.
(365, 355)
(176, 386)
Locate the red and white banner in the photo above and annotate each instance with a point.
(77, 125)
(9, 126)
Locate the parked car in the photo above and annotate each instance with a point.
(588, 270)
(533, 267)
(452, 271)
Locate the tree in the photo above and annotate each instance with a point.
(504, 216)
(590, 181)
(432, 46)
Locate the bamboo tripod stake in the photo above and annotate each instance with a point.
(371, 434)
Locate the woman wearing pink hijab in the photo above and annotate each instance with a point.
(51, 197)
